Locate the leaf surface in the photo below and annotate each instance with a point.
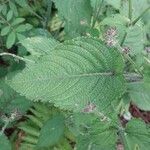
(51, 132)
(75, 73)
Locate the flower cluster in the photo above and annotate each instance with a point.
(110, 36)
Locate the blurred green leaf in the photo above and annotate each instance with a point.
(51, 132)
(9, 15)
(13, 8)
(10, 39)
(20, 37)
(17, 21)
(23, 27)
(5, 30)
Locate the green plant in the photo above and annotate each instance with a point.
(94, 63)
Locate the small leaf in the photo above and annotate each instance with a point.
(10, 39)
(4, 143)
(13, 8)
(17, 21)
(51, 132)
(23, 27)
(5, 30)
(9, 15)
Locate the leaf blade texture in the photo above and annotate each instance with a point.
(75, 73)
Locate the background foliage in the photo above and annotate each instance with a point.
(70, 70)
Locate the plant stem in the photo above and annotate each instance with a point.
(133, 77)
(15, 56)
(48, 12)
(4, 127)
(97, 14)
(126, 56)
(138, 18)
(130, 10)
(124, 38)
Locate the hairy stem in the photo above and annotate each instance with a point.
(130, 17)
(130, 10)
(15, 56)
(127, 57)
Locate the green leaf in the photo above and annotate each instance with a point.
(119, 22)
(9, 15)
(4, 143)
(76, 14)
(23, 28)
(51, 132)
(39, 45)
(17, 21)
(115, 3)
(135, 33)
(137, 135)
(13, 8)
(20, 37)
(4, 10)
(140, 95)
(139, 91)
(5, 30)
(128, 35)
(10, 39)
(93, 134)
(138, 7)
(10, 100)
(75, 73)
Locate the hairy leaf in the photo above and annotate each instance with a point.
(75, 73)
(39, 45)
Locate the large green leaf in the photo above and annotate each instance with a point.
(137, 135)
(76, 14)
(51, 132)
(75, 73)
